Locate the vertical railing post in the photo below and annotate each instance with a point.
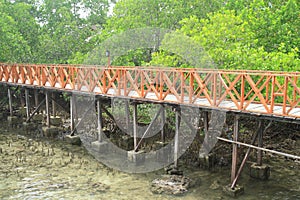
(161, 84)
(43, 76)
(285, 93)
(182, 84)
(124, 82)
(21, 74)
(103, 80)
(74, 77)
(214, 89)
(242, 91)
(118, 82)
(14, 76)
(191, 87)
(267, 90)
(273, 94)
(142, 84)
(295, 89)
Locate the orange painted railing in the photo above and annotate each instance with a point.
(276, 93)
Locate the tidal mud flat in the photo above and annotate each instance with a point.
(42, 168)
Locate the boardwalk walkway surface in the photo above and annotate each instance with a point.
(266, 93)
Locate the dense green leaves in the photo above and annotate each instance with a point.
(13, 44)
(251, 39)
(49, 31)
(232, 34)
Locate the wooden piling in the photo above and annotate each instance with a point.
(163, 121)
(135, 126)
(10, 101)
(260, 142)
(21, 98)
(127, 115)
(53, 104)
(36, 97)
(205, 121)
(235, 148)
(176, 139)
(72, 107)
(100, 120)
(27, 103)
(47, 109)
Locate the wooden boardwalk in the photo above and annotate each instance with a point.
(272, 94)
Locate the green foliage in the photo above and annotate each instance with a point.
(231, 34)
(163, 14)
(233, 43)
(49, 31)
(166, 59)
(13, 45)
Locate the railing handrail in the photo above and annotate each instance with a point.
(186, 85)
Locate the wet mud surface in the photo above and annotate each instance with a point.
(43, 168)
